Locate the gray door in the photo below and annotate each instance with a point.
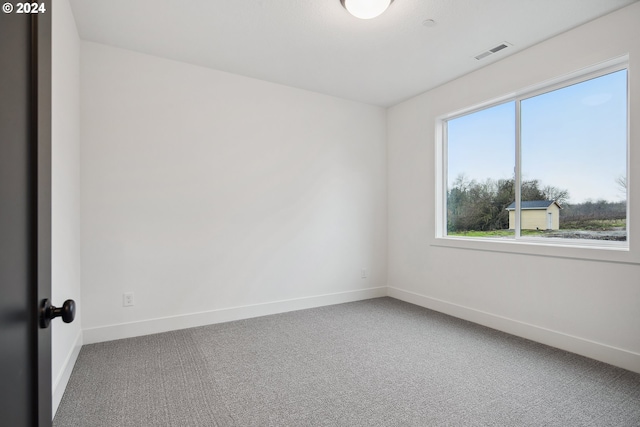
(25, 216)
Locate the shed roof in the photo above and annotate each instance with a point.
(533, 204)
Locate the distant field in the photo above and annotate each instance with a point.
(494, 233)
(594, 224)
(597, 229)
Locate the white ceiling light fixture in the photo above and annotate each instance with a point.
(366, 9)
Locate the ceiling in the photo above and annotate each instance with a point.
(318, 46)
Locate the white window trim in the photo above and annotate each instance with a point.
(609, 251)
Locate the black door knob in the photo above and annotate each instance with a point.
(48, 312)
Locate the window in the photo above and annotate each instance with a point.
(547, 165)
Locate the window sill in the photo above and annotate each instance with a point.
(616, 252)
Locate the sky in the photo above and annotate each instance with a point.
(574, 138)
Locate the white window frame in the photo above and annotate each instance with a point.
(601, 250)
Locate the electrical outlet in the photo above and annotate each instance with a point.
(363, 273)
(127, 299)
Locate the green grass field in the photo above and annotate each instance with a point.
(594, 225)
(494, 233)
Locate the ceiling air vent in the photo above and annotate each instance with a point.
(493, 50)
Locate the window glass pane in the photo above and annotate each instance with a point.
(574, 158)
(480, 172)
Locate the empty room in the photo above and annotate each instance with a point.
(320, 213)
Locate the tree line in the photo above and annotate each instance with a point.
(481, 206)
(590, 210)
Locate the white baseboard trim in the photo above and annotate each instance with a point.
(584, 347)
(60, 383)
(172, 323)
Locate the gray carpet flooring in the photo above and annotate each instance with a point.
(379, 362)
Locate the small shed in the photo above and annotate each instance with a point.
(536, 215)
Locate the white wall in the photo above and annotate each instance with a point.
(213, 196)
(588, 307)
(65, 177)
